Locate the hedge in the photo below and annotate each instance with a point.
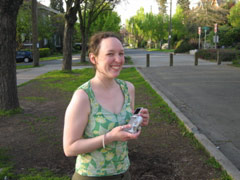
(184, 46)
(224, 54)
(44, 52)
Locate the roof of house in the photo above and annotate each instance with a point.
(41, 6)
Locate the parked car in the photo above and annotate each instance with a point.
(78, 46)
(24, 56)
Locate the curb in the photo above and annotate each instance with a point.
(209, 146)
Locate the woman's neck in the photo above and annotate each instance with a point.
(102, 82)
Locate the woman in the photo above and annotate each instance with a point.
(98, 113)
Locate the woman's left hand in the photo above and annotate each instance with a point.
(145, 115)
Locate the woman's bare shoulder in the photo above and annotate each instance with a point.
(130, 86)
(80, 97)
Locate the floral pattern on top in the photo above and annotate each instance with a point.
(113, 159)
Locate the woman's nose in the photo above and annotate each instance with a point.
(119, 58)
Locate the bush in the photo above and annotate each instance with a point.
(237, 46)
(236, 62)
(182, 46)
(186, 45)
(224, 54)
(44, 52)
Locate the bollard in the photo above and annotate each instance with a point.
(148, 60)
(171, 59)
(218, 58)
(196, 59)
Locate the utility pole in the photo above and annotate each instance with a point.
(170, 27)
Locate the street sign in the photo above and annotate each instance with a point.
(215, 28)
(199, 30)
(216, 39)
(205, 28)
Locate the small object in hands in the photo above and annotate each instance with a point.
(135, 122)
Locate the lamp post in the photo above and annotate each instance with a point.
(170, 27)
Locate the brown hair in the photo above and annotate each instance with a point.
(96, 39)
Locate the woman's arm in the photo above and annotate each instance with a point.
(131, 91)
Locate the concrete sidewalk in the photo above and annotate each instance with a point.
(24, 75)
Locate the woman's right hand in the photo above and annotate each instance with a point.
(118, 134)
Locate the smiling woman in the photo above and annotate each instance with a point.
(98, 113)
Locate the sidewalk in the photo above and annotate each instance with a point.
(24, 75)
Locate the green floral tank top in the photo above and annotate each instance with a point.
(114, 158)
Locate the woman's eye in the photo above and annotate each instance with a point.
(110, 54)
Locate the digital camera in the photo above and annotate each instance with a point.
(135, 122)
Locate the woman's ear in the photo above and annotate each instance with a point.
(92, 58)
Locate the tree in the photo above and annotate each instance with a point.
(229, 36)
(106, 21)
(57, 5)
(57, 22)
(45, 26)
(8, 82)
(207, 15)
(135, 28)
(179, 28)
(234, 15)
(184, 4)
(147, 28)
(35, 33)
(162, 6)
(88, 12)
(24, 26)
(70, 20)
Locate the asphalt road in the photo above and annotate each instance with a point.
(207, 94)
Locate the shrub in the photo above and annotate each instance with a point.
(237, 46)
(186, 45)
(181, 47)
(44, 52)
(224, 54)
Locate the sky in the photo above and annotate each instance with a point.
(129, 8)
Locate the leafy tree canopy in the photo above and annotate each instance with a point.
(162, 6)
(57, 5)
(184, 4)
(234, 15)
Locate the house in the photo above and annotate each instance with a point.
(45, 13)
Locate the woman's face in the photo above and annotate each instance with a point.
(110, 58)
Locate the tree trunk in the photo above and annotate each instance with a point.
(70, 20)
(35, 33)
(67, 47)
(8, 80)
(84, 46)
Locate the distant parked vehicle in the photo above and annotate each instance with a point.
(78, 46)
(24, 56)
